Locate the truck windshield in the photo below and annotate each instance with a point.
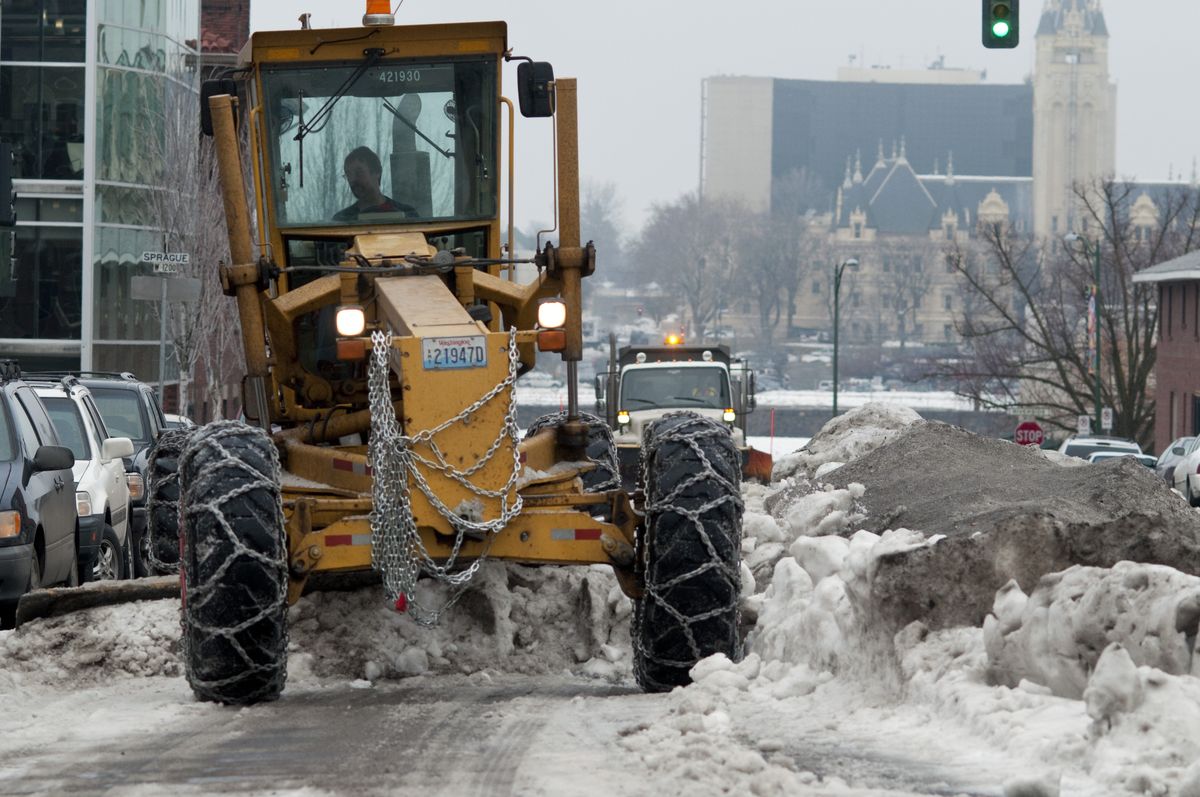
(644, 388)
(404, 141)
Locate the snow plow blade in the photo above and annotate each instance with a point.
(64, 600)
(757, 465)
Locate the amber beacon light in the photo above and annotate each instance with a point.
(379, 12)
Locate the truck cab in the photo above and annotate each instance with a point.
(645, 383)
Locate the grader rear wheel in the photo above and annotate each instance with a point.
(163, 500)
(691, 550)
(234, 569)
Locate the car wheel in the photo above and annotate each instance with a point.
(110, 560)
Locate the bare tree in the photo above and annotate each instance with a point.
(1025, 317)
(691, 247)
(600, 222)
(188, 209)
(775, 253)
(905, 284)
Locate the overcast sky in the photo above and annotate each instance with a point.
(640, 64)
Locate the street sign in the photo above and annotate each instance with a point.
(1106, 419)
(1029, 433)
(179, 289)
(166, 262)
(1083, 424)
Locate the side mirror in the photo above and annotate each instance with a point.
(600, 380)
(116, 448)
(212, 88)
(53, 458)
(535, 89)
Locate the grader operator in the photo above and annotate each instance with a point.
(383, 334)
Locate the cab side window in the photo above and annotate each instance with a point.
(42, 425)
(158, 421)
(24, 429)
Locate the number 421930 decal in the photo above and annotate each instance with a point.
(445, 353)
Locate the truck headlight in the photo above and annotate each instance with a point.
(622, 418)
(350, 320)
(83, 503)
(729, 416)
(137, 487)
(552, 314)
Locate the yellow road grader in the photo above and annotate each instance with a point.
(384, 331)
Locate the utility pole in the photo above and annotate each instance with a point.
(837, 293)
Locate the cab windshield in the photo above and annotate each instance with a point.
(648, 388)
(405, 141)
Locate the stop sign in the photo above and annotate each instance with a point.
(1029, 433)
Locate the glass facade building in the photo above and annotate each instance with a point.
(85, 87)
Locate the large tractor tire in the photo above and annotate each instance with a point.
(690, 550)
(601, 450)
(162, 501)
(233, 565)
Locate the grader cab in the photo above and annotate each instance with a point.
(384, 330)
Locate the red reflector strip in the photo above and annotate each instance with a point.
(575, 534)
(350, 466)
(335, 540)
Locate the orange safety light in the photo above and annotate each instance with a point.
(674, 340)
(379, 6)
(379, 12)
(352, 348)
(551, 340)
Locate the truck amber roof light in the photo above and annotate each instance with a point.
(674, 340)
(379, 12)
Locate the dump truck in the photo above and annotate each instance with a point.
(384, 329)
(644, 384)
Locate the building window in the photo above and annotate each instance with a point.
(856, 299)
(43, 30)
(1054, 224)
(887, 264)
(948, 302)
(42, 298)
(947, 331)
(41, 115)
(857, 229)
(1170, 311)
(816, 288)
(949, 232)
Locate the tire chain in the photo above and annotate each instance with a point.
(169, 444)
(209, 437)
(607, 463)
(690, 434)
(397, 551)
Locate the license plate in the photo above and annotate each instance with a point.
(447, 353)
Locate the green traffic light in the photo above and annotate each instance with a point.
(1000, 29)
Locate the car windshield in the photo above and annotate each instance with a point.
(69, 425)
(121, 413)
(406, 141)
(643, 388)
(8, 447)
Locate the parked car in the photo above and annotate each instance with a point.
(130, 409)
(1104, 456)
(102, 501)
(173, 421)
(1186, 478)
(1083, 446)
(1165, 467)
(37, 504)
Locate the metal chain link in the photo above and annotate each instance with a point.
(691, 434)
(398, 552)
(220, 459)
(598, 432)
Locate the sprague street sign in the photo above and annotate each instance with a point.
(166, 262)
(1029, 433)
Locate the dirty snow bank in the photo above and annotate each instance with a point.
(845, 438)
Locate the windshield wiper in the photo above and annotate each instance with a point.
(322, 116)
(396, 112)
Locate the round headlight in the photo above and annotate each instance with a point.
(552, 314)
(350, 321)
(729, 416)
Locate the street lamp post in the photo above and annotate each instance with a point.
(1094, 253)
(837, 293)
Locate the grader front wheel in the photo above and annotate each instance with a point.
(233, 563)
(691, 550)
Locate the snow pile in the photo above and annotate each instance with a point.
(847, 437)
(90, 647)
(1055, 635)
(512, 618)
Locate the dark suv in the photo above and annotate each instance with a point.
(37, 497)
(129, 409)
